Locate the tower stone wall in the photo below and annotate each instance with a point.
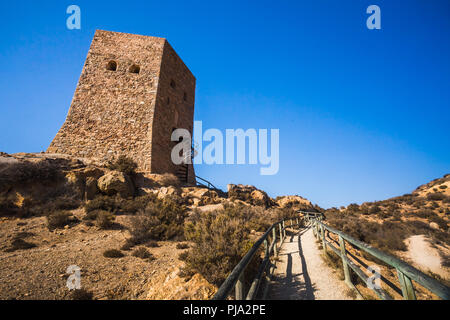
(133, 91)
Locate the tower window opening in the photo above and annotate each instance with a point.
(111, 66)
(172, 84)
(135, 69)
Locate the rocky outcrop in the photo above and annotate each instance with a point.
(170, 286)
(115, 182)
(249, 194)
(296, 202)
(200, 196)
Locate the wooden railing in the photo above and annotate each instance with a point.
(405, 272)
(236, 279)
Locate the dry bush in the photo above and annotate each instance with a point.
(440, 222)
(123, 164)
(161, 220)
(118, 205)
(101, 202)
(388, 235)
(29, 172)
(142, 253)
(113, 253)
(8, 207)
(59, 219)
(425, 213)
(20, 244)
(81, 294)
(168, 179)
(436, 196)
(182, 246)
(104, 219)
(221, 239)
(334, 262)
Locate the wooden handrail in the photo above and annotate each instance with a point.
(406, 272)
(235, 279)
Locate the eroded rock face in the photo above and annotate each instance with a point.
(167, 191)
(200, 196)
(170, 286)
(293, 202)
(115, 182)
(249, 194)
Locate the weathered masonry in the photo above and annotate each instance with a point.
(132, 93)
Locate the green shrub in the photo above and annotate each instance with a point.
(124, 164)
(443, 187)
(113, 253)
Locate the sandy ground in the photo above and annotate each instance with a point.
(301, 273)
(40, 272)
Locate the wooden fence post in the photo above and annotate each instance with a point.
(324, 245)
(317, 229)
(284, 230)
(274, 235)
(239, 288)
(407, 286)
(281, 234)
(348, 279)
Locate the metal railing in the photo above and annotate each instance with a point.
(236, 279)
(405, 272)
(208, 184)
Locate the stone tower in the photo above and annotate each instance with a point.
(132, 93)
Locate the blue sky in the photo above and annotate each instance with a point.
(363, 114)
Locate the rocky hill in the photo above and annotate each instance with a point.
(415, 226)
(131, 234)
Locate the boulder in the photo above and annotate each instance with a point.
(167, 191)
(91, 189)
(434, 225)
(249, 194)
(200, 196)
(115, 182)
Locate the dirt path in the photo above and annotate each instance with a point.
(424, 256)
(302, 274)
